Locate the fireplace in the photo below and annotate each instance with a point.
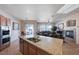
(70, 36)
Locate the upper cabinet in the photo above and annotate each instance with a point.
(4, 21)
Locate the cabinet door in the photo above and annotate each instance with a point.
(3, 20)
(21, 46)
(32, 50)
(26, 48)
(41, 52)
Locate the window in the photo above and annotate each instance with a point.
(44, 27)
(29, 30)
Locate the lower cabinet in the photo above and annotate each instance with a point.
(41, 52)
(21, 46)
(29, 49)
(32, 49)
(26, 49)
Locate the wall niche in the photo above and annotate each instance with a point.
(71, 23)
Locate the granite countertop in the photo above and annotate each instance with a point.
(48, 44)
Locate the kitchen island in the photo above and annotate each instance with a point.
(46, 46)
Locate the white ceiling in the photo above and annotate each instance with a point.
(65, 11)
(31, 11)
(39, 12)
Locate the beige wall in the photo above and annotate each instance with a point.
(14, 33)
(21, 22)
(73, 16)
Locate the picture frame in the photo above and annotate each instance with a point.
(15, 26)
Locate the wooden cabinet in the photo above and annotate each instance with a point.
(5, 21)
(26, 49)
(32, 49)
(21, 46)
(41, 52)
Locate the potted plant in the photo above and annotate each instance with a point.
(54, 28)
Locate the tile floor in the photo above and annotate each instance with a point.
(70, 49)
(12, 50)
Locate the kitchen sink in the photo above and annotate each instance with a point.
(34, 39)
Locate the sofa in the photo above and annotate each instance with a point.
(58, 34)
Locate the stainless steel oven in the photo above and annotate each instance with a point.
(5, 40)
(5, 32)
(4, 36)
